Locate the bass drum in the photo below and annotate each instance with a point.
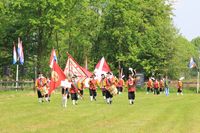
(113, 90)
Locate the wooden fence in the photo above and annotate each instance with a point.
(14, 85)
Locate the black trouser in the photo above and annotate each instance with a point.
(74, 96)
(39, 93)
(103, 91)
(108, 95)
(93, 93)
(149, 89)
(131, 95)
(161, 89)
(65, 92)
(81, 92)
(120, 89)
(156, 91)
(179, 90)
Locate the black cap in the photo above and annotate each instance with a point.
(74, 76)
(109, 73)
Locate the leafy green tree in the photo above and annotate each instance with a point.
(183, 51)
(138, 33)
(196, 42)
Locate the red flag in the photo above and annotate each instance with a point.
(101, 67)
(73, 68)
(57, 76)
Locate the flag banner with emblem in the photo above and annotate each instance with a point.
(57, 75)
(102, 67)
(192, 63)
(53, 58)
(20, 52)
(14, 54)
(73, 68)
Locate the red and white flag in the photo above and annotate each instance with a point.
(20, 52)
(52, 58)
(57, 75)
(102, 67)
(73, 68)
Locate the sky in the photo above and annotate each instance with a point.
(187, 18)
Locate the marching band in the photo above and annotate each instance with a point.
(109, 85)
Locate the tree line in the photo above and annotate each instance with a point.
(129, 33)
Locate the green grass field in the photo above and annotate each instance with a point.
(21, 113)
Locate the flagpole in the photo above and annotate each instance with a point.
(17, 74)
(35, 73)
(198, 81)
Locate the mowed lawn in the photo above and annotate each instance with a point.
(21, 113)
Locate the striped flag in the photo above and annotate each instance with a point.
(53, 58)
(73, 68)
(20, 52)
(192, 64)
(14, 55)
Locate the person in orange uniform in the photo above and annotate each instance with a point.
(162, 85)
(149, 86)
(102, 85)
(131, 85)
(73, 91)
(180, 87)
(109, 82)
(40, 84)
(120, 84)
(81, 86)
(93, 88)
(156, 87)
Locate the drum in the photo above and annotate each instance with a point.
(113, 90)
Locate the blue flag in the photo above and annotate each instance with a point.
(192, 64)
